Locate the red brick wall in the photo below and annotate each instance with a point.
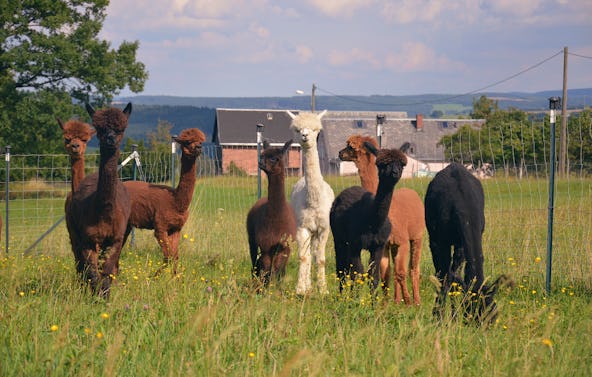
(246, 158)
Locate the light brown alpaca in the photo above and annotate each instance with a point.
(77, 134)
(165, 209)
(98, 213)
(406, 215)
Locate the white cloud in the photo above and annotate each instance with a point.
(303, 54)
(337, 8)
(353, 56)
(417, 57)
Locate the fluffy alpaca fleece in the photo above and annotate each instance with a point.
(311, 199)
(359, 219)
(76, 135)
(406, 215)
(271, 224)
(454, 211)
(164, 209)
(97, 216)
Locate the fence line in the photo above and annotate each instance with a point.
(515, 185)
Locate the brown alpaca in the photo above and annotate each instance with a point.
(271, 223)
(165, 209)
(98, 214)
(77, 134)
(406, 215)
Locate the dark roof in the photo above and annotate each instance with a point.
(239, 126)
(395, 132)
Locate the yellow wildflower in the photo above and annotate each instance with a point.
(104, 315)
(548, 342)
(54, 328)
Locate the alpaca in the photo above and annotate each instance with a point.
(454, 212)
(406, 215)
(359, 219)
(311, 200)
(165, 209)
(98, 214)
(77, 134)
(271, 224)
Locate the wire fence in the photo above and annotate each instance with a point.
(516, 184)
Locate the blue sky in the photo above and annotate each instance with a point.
(252, 48)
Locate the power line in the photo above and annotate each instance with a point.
(580, 56)
(449, 97)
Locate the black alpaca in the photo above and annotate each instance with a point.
(359, 220)
(271, 224)
(454, 211)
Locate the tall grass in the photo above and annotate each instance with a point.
(207, 320)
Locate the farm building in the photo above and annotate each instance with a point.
(236, 138)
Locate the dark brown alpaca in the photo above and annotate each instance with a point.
(98, 214)
(359, 218)
(165, 209)
(271, 223)
(77, 134)
(406, 215)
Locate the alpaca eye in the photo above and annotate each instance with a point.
(67, 141)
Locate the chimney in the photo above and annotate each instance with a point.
(419, 122)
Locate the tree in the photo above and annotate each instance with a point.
(580, 142)
(483, 107)
(51, 59)
(160, 140)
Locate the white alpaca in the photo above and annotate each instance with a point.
(311, 199)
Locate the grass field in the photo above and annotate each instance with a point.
(207, 320)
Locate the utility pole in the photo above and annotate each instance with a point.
(563, 129)
(312, 98)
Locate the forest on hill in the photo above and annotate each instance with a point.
(200, 112)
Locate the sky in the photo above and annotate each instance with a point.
(262, 48)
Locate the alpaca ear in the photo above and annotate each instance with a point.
(89, 109)
(60, 122)
(93, 131)
(370, 148)
(405, 147)
(322, 114)
(128, 109)
(287, 146)
(291, 114)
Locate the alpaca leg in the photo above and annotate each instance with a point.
(319, 248)
(385, 268)
(374, 267)
(163, 240)
(263, 268)
(110, 268)
(279, 262)
(441, 258)
(303, 237)
(341, 264)
(174, 239)
(90, 269)
(401, 263)
(415, 256)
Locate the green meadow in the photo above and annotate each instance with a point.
(208, 320)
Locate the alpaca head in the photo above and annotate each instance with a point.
(390, 163)
(306, 127)
(190, 141)
(272, 159)
(76, 136)
(110, 124)
(356, 152)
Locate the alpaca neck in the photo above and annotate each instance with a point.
(382, 200)
(107, 185)
(276, 193)
(186, 186)
(312, 174)
(77, 172)
(368, 174)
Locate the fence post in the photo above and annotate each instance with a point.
(134, 148)
(6, 234)
(259, 141)
(380, 119)
(173, 153)
(553, 105)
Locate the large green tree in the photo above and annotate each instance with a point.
(51, 60)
